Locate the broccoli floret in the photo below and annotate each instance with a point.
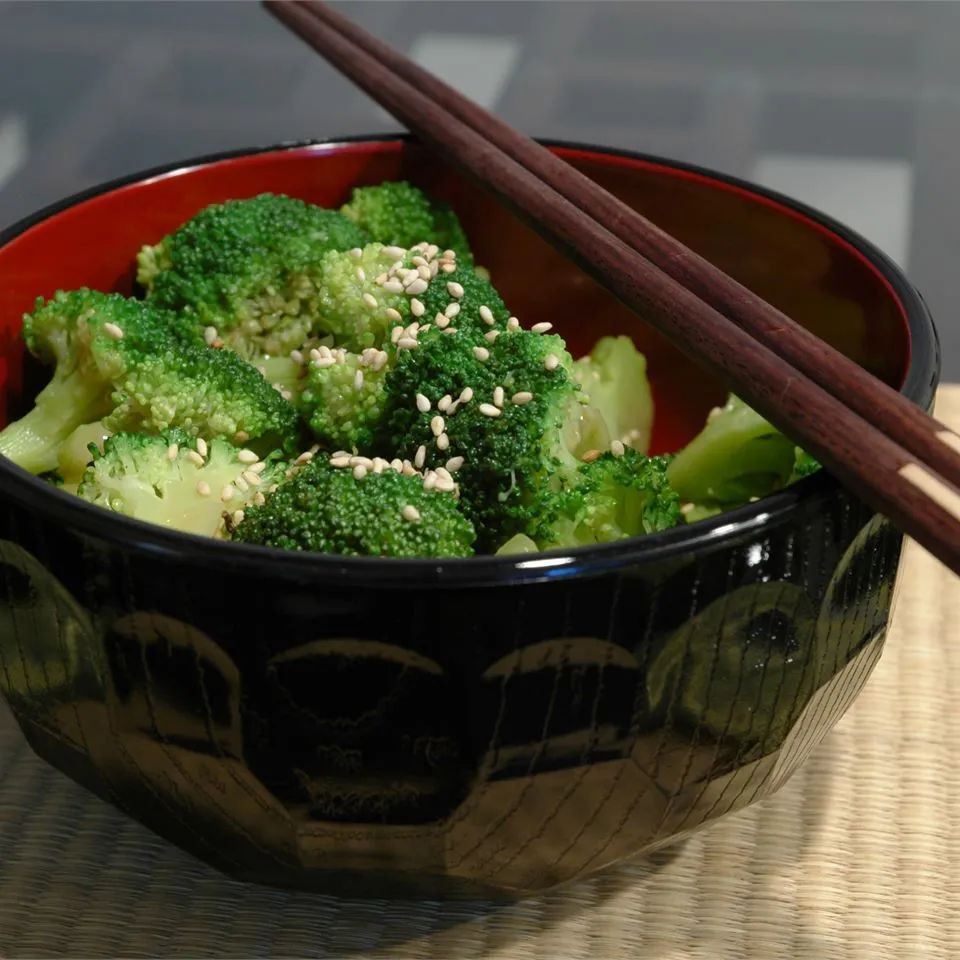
(614, 378)
(327, 509)
(248, 269)
(511, 410)
(343, 396)
(737, 457)
(474, 293)
(74, 455)
(398, 213)
(175, 480)
(612, 497)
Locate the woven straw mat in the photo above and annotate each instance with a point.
(853, 859)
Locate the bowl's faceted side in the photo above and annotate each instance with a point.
(495, 740)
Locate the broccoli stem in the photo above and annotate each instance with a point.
(33, 441)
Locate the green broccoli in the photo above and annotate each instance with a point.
(612, 497)
(347, 510)
(343, 396)
(398, 213)
(175, 480)
(614, 378)
(737, 457)
(245, 271)
(118, 361)
(74, 454)
(803, 466)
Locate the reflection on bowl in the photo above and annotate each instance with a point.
(492, 725)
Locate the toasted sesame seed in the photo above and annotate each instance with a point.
(466, 394)
(443, 441)
(417, 308)
(454, 464)
(448, 267)
(423, 404)
(491, 336)
(358, 380)
(195, 457)
(209, 335)
(417, 287)
(542, 327)
(227, 493)
(455, 289)
(481, 353)
(498, 396)
(489, 410)
(450, 330)
(442, 321)
(370, 300)
(247, 456)
(113, 330)
(241, 436)
(203, 488)
(361, 275)
(451, 310)
(339, 461)
(359, 471)
(356, 253)
(237, 516)
(617, 448)
(590, 456)
(430, 481)
(394, 251)
(436, 425)
(513, 325)
(551, 362)
(173, 451)
(407, 343)
(521, 397)
(486, 315)
(420, 457)
(252, 478)
(410, 513)
(296, 356)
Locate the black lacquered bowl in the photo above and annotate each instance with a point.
(492, 725)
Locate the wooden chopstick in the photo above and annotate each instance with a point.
(881, 471)
(931, 441)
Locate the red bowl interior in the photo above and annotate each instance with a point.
(809, 272)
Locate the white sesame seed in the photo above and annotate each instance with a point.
(420, 457)
(408, 470)
(455, 289)
(356, 253)
(413, 329)
(393, 286)
(370, 300)
(423, 404)
(513, 325)
(226, 494)
(201, 446)
(252, 478)
(195, 457)
(481, 353)
(418, 261)
(498, 396)
(448, 267)
(397, 265)
(393, 314)
(434, 268)
(449, 254)
(259, 499)
(617, 448)
(542, 327)
(522, 397)
(451, 310)
(323, 362)
(407, 343)
(443, 441)
(361, 275)
(394, 251)
(454, 464)
(258, 468)
(173, 451)
(358, 380)
(306, 457)
(237, 516)
(113, 330)
(315, 354)
(486, 315)
(417, 308)
(436, 425)
(425, 328)
(431, 251)
(359, 471)
(339, 461)
(429, 481)
(452, 409)
(445, 486)
(450, 330)
(395, 334)
(466, 394)
(361, 461)
(379, 464)
(247, 456)
(417, 287)
(203, 488)
(443, 404)
(380, 278)
(442, 321)
(397, 464)
(551, 362)
(209, 335)
(296, 356)
(410, 513)
(423, 271)
(242, 484)
(489, 410)
(491, 336)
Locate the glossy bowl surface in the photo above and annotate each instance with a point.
(492, 725)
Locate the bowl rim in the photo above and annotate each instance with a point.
(125, 533)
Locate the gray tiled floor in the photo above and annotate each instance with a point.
(104, 88)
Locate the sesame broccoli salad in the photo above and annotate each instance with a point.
(349, 381)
